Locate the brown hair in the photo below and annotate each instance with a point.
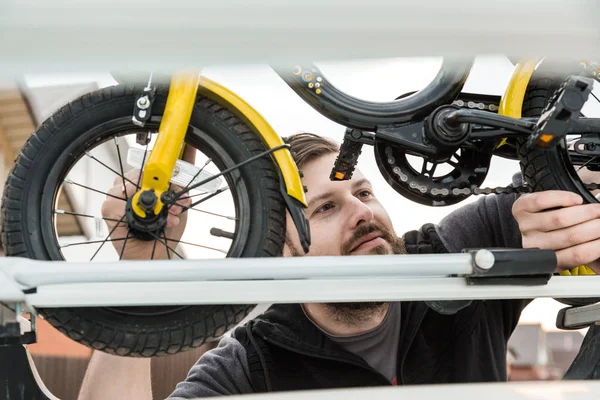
(308, 147)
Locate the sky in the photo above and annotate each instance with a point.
(375, 80)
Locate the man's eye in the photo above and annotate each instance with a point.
(365, 193)
(325, 207)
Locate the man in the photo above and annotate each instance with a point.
(312, 346)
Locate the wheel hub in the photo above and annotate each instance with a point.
(150, 227)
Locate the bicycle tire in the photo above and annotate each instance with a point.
(549, 169)
(23, 227)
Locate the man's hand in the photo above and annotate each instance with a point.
(559, 220)
(137, 249)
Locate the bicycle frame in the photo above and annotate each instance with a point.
(310, 84)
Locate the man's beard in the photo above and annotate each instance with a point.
(395, 244)
(352, 314)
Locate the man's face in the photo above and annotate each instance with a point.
(345, 216)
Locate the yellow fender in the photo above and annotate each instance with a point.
(243, 110)
(293, 192)
(511, 106)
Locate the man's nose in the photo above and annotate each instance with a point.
(359, 213)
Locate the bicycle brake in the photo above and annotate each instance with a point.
(142, 109)
(563, 108)
(350, 150)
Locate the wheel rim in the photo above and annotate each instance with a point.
(118, 128)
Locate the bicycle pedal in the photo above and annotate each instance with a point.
(563, 108)
(347, 158)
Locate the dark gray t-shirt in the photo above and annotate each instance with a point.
(488, 222)
(379, 346)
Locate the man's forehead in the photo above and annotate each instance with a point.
(316, 178)
(317, 172)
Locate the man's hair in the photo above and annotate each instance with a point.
(308, 147)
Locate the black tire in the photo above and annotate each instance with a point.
(542, 169)
(549, 169)
(25, 229)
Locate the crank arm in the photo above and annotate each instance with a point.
(410, 137)
(584, 126)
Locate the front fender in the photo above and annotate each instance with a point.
(291, 188)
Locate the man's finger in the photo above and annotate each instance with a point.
(565, 238)
(175, 210)
(116, 191)
(578, 255)
(172, 221)
(189, 154)
(129, 189)
(536, 202)
(547, 221)
(133, 175)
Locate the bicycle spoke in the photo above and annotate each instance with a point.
(124, 244)
(108, 237)
(93, 190)
(153, 249)
(122, 175)
(59, 211)
(165, 236)
(143, 163)
(202, 200)
(199, 245)
(215, 214)
(228, 170)
(91, 242)
(166, 245)
(198, 173)
(586, 163)
(598, 100)
(208, 212)
(116, 141)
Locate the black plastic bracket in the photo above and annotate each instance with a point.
(572, 318)
(527, 267)
(298, 214)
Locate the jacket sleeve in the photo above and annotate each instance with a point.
(221, 371)
(487, 222)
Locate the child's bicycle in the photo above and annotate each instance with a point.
(433, 147)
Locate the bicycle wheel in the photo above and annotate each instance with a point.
(560, 168)
(83, 139)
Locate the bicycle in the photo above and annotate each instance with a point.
(439, 124)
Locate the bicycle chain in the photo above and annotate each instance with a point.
(500, 189)
(507, 190)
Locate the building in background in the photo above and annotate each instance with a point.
(538, 354)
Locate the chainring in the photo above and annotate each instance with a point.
(468, 169)
(466, 177)
(451, 188)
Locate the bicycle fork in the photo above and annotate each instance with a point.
(169, 144)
